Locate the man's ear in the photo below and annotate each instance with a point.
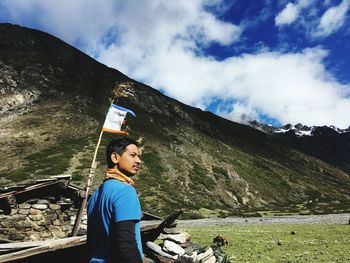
(115, 158)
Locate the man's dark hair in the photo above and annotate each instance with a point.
(117, 146)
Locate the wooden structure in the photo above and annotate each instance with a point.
(70, 249)
(57, 187)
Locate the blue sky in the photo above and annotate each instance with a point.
(274, 61)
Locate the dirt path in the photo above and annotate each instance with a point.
(297, 219)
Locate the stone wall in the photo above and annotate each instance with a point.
(40, 219)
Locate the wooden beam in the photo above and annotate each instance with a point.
(50, 245)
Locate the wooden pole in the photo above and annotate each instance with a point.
(88, 186)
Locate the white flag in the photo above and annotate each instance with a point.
(115, 118)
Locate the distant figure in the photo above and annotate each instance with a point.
(220, 241)
(114, 211)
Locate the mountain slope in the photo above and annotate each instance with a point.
(54, 100)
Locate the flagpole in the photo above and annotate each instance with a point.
(88, 186)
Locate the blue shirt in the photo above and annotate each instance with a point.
(113, 201)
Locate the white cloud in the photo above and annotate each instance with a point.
(332, 19)
(160, 43)
(291, 12)
(288, 15)
(305, 13)
(73, 21)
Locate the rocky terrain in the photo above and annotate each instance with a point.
(270, 220)
(53, 102)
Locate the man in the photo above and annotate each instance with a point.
(114, 210)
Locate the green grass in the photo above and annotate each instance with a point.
(51, 161)
(199, 177)
(260, 243)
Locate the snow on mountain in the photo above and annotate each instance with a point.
(298, 129)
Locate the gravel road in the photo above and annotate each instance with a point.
(295, 219)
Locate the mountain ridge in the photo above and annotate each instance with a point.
(54, 102)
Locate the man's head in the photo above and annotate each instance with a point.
(125, 155)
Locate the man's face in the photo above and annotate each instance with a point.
(129, 162)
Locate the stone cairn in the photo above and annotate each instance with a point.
(176, 247)
(40, 219)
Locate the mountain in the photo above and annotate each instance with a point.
(53, 102)
(328, 143)
(297, 129)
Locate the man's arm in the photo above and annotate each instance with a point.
(124, 237)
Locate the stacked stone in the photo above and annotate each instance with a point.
(176, 247)
(40, 219)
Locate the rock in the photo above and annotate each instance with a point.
(18, 217)
(24, 206)
(40, 206)
(23, 225)
(172, 230)
(23, 211)
(56, 231)
(185, 245)
(5, 231)
(44, 223)
(208, 253)
(38, 228)
(34, 236)
(7, 223)
(66, 228)
(54, 206)
(157, 249)
(35, 212)
(17, 236)
(188, 249)
(14, 211)
(43, 201)
(211, 259)
(189, 258)
(36, 217)
(173, 248)
(45, 234)
(178, 238)
(51, 217)
(57, 223)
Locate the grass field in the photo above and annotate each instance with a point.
(279, 243)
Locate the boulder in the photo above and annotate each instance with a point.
(178, 238)
(158, 250)
(172, 230)
(55, 206)
(40, 206)
(173, 248)
(24, 206)
(211, 259)
(206, 254)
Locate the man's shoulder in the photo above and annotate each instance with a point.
(117, 186)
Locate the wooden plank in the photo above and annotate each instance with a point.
(49, 246)
(40, 247)
(28, 244)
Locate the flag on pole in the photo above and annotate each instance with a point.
(115, 118)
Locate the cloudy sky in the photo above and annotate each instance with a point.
(275, 61)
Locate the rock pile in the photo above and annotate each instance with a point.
(176, 247)
(39, 219)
